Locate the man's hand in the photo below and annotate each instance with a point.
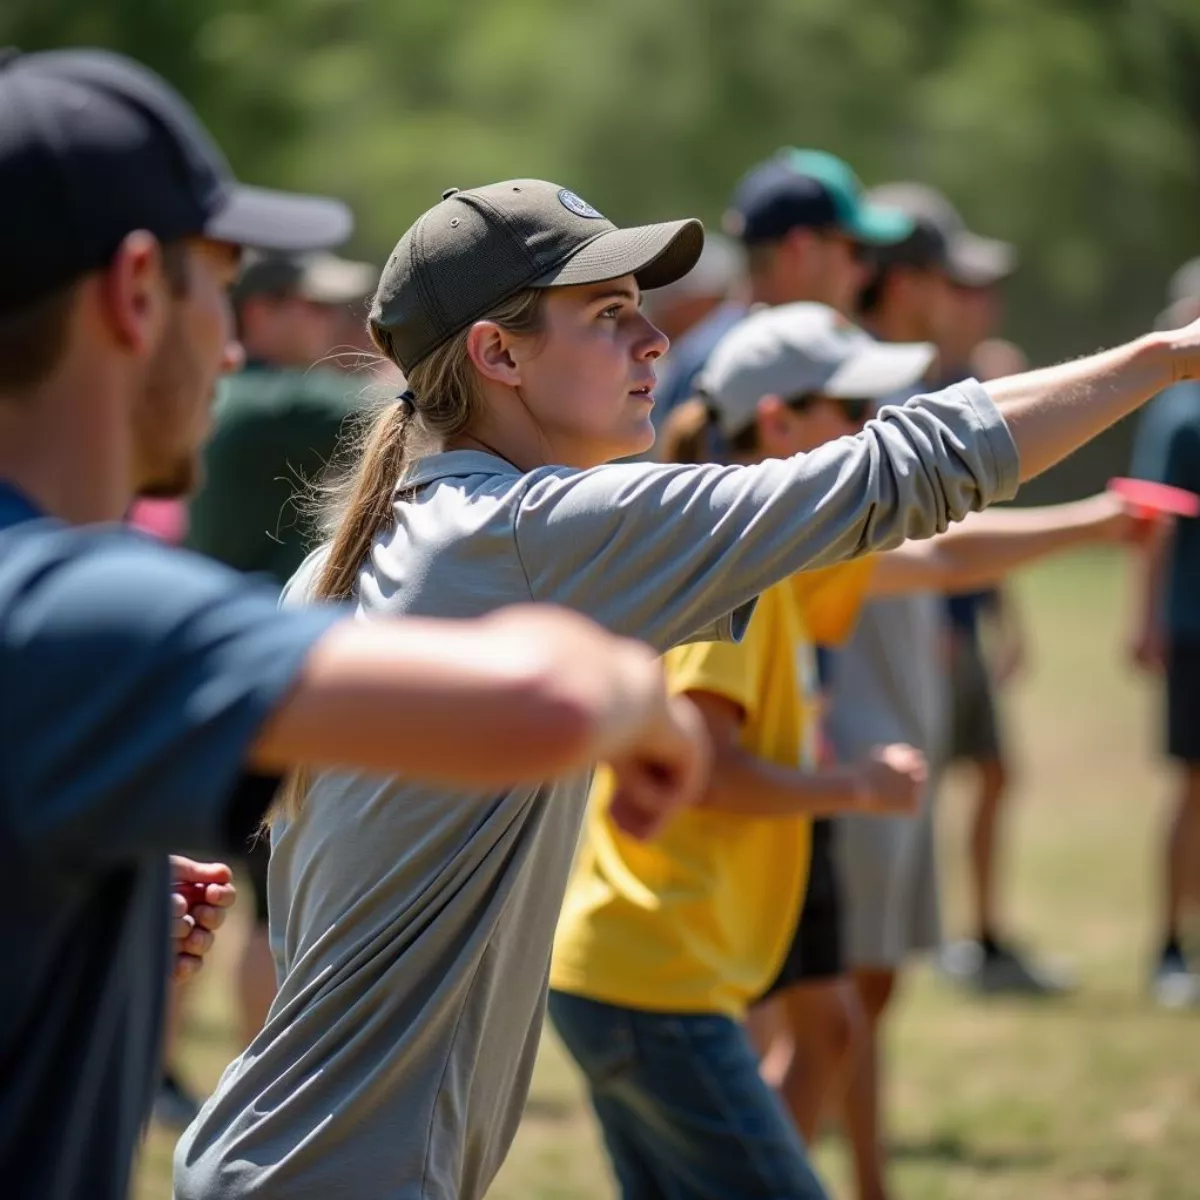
(892, 780)
(200, 894)
(1148, 647)
(665, 770)
(1117, 521)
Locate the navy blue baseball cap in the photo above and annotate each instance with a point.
(94, 146)
(809, 189)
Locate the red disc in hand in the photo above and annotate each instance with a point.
(1155, 499)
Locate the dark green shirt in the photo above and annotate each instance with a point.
(275, 431)
(1168, 451)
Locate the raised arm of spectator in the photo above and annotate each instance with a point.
(986, 546)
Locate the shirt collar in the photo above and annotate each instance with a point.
(457, 463)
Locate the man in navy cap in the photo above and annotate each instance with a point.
(149, 698)
(802, 220)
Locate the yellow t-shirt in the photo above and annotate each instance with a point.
(700, 919)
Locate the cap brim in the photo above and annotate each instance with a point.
(975, 261)
(879, 370)
(656, 254)
(285, 221)
(879, 226)
(331, 280)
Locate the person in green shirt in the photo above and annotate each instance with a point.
(277, 421)
(276, 426)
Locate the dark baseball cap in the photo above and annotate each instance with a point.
(969, 259)
(808, 189)
(94, 146)
(479, 247)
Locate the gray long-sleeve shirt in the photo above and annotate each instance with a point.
(412, 925)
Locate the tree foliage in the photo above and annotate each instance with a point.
(1071, 127)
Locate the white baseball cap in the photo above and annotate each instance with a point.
(797, 349)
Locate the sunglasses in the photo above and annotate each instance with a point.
(855, 411)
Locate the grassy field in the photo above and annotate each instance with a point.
(1092, 1098)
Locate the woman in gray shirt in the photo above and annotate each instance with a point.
(412, 925)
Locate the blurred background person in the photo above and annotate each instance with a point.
(1166, 640)
(718, 276)
(985, 642)
(800, 220)
(351, 349)
(276, 426)
(803, 222)
(888, 684)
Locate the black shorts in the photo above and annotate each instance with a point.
(258, 858)
(816, 951)
(974, 727)
(1183, 702)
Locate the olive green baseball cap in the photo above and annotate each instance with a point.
(479, 247)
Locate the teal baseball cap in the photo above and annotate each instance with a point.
(810, 189)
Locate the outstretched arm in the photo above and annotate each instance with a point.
(1053, 411)
(986, 546)
(743, 783)
(526, 694)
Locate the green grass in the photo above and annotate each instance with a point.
(1093, 1098)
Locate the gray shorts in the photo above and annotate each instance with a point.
(888, 874)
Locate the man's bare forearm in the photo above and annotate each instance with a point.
(983, 549)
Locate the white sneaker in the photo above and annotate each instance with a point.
(1174, 984)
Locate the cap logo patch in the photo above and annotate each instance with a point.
(577, 205)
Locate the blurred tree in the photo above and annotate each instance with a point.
(1071, 127)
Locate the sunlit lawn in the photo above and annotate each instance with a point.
(1093, 1098)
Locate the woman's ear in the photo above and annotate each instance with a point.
(489, 348)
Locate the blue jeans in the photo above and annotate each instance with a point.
(684, 1113)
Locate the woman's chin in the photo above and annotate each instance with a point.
(641, 437)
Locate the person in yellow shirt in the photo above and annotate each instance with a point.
(663, 946)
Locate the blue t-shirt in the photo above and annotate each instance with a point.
(133, 680)
(1167, 450)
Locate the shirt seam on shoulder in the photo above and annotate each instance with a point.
(525, 485)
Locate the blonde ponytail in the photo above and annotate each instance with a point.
(356, 507)
(362, 500)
